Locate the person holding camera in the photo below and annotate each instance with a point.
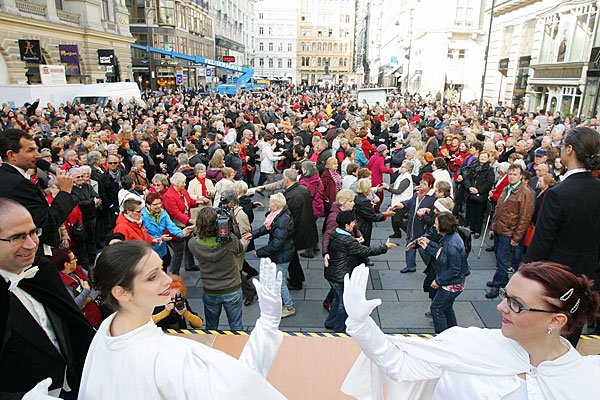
(177, 313)
(219, 270)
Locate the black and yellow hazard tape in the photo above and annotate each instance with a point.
(310, 334)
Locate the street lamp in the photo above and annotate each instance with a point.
(487, 49)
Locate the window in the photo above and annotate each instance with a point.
(330, 47)
(270, 30)
(166, 15)
(270, 63)
(261, 46)
(318, 61)
(261, 16)
(461, 53)
(59, 4)
(279, 63)
(261, 62)
(319, 33)
(527, 38)
(330, 33)
(305, 32)
(319, 47)
(507, 35)
(252, 62)
(261, 30)
(289, 47)
(279, 46)
(270, 46)
(289, 63)
(105, 11)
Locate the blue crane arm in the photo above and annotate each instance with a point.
(246, 73)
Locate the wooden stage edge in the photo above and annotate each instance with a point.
(314, 367)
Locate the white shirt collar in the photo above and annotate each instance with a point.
(21, 170)
(572, 172)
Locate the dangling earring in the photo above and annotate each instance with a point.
(549, 331)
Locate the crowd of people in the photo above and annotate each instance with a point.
(181, 172)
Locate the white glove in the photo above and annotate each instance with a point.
(357, 306)
(269, 292)
(40, 391)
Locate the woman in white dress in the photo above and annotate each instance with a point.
(131, 358)
(527, 359)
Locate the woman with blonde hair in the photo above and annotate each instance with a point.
(215, 166)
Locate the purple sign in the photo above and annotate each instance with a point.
(69, 56)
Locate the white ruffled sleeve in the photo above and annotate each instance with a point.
(262, 347)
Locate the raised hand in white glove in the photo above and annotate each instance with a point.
(40, 391)
(357, 306)
(268, 289)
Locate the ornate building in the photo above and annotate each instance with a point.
(54, 32)
(325, 43)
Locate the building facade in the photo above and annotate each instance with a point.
(325, 42)
(275, 34)
(429, 46)
(542, 56)
(184, 27)
(54, 32)
(233, 28)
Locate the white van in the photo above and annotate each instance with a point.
(101, 93)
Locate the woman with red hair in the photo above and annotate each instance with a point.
(528, 357)
(177, 313)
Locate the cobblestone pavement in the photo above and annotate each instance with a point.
(404, 302)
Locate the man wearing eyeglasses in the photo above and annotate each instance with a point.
(20, 153)
(108, 189)
(43, 334)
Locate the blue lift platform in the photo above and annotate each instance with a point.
(235, 83)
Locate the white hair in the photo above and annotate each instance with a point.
(178, 179)
(411, 150)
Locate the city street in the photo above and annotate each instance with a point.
(404, 302)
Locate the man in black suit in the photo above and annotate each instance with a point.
(19, 153)
(305, 235)
(42, 332)
(568, 226)
(108, 189)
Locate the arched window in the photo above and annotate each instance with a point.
(319, 47)
(335, 47)
(318, 61)
(330, 47)
(313, 47)
(341, 62)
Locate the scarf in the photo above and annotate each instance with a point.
(128, 218)
(269, 220)
(203, 183)
(154, 215)
(337, 179)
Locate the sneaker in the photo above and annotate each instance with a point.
(492, 293)
(407, 269)
(428, 314)
(489, 284)
(288, 311)
(307, 255)
(510, 270)
(395, 236)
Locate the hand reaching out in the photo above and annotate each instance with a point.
(357, 306)
(268, 289)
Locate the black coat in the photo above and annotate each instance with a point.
(16, 187)
(322, 159)
(416, 226)
(280, 248)
(568, 226)
(84, 196)
(234, 161)
(482, 178)
(345, 253)
(27, 355)
(108, 190)
(365, 216)
(299, 203)
(151, 168)
(158, 149)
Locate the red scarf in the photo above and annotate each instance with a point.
(203, 183)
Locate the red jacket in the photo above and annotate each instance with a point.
(174, 203)
(329, 190)
(131, 230)
(90, 310)
(377, 166)
(367, 148)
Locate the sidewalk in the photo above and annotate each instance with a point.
(404, 302)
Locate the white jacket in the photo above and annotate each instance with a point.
(407, 193)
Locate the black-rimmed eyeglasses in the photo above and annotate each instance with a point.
(517, 307)
(20, 238)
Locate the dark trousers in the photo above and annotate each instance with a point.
(179, 249)
(503, 259)
(475, 213)
(398, 222)
(295, 271)
(442, 311)
(337, 315)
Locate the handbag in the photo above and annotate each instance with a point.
(529, 235)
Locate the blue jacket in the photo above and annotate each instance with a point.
(451, 265)
(157, 229)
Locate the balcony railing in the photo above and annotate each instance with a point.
(68, 17)
(31, 8)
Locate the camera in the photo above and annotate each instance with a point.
(224, 219)
(179, 302)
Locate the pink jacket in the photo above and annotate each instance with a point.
(377, 166)
(315, 188)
